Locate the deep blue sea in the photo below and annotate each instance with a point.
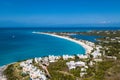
(20, 43)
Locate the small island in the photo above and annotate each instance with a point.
(100, 62)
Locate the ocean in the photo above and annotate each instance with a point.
(18, 44)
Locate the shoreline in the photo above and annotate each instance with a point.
(2, 76)
(2, 68)
(85, 46)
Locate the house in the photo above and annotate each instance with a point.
(66, 57)
(82, 74)
(82, 56)
(34, 73)
(83, 69)
(71, 65)
(86, 67)
(51, 58)
(79, 63)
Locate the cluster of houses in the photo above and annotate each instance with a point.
(84, 66)
(73, 65)
(96, 52)
(37, 74)
(66, 57)
(47, 60)
(81, 56)
(34, 73)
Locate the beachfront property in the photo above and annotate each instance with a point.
(34, 73)
(67, 64)
(59, 39)
(66, 57)
(73, 65)
(82, 56)
(50, 58)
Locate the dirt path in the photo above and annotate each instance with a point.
(46, 70)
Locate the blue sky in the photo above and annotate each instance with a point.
(58, 12)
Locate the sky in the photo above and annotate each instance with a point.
(27, 13)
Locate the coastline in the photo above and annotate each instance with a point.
(85, 46)
(91, 63)
(2, 68)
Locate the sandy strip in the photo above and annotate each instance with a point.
(87, 48)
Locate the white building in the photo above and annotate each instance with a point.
(66, 57)
(79, 63)
(34, 73)
(81, 56)
(83, 69)
(53, 58)
(71, 65)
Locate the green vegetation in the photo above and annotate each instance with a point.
(14, 72)
(59, 71)
(61, 76)
(108, 69)
(75, 72)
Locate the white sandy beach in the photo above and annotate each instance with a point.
(87, 47)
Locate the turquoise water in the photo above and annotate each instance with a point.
(16, 45)
(20, 43)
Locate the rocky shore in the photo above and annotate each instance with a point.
(2, 77)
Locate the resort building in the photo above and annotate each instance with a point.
(34, 73)
(81, 56)
(73, 65)
(66, 57)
